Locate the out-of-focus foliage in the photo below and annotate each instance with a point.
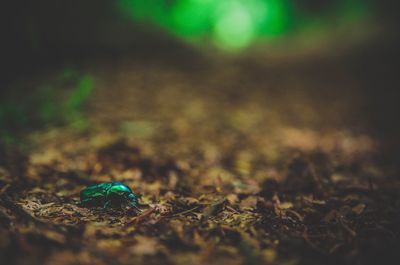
(235, 24)
(55, 101)
(78, 96)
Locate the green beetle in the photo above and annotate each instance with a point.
(108, 193)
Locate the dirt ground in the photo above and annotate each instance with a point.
(245, 161)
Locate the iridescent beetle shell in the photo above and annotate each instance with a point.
(108, 193)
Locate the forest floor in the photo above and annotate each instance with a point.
(241, 162)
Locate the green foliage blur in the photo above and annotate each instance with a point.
(54, 102)
(235, 24)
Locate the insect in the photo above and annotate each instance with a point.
(108, 193)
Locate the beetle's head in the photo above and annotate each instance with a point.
(133, 200)
(125, 192)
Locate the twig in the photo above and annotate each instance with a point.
(185, 212)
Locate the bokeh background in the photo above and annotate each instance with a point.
(340, 55)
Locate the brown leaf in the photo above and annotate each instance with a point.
(146, 246)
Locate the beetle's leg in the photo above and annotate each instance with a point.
(82, 203)
(134, 205)
(106, 204)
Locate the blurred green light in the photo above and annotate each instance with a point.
(191, 18)
(230, 24)
(234, 27)
(276, 18)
